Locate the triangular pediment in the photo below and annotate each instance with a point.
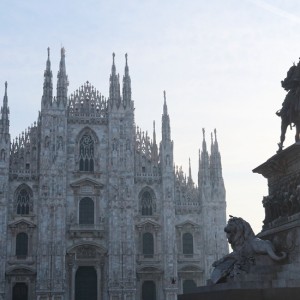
(148, 223)
(20, 271)
(190, 268)
(21, 223)
(87, 182)
(187, 224)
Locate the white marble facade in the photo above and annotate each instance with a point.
(93, 208)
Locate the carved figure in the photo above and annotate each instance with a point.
(246, 246)
(290, 111)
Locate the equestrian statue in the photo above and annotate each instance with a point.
(290, 111)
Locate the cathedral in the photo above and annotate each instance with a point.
(92, 207)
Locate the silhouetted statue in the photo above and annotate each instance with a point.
(290, 111)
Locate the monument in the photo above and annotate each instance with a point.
(266, 266)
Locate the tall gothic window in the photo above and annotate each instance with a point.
(187, 243)
(148, 290)
(86, 154)
(189, 286)
(23, 202)
(148, 204)
(148, 245)
(21, 245)
(86, 211)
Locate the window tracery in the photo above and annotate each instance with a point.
(148, 206)
(24, 202)
(148, 244)
(86, 153)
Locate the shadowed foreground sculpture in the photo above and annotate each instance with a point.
(290, 111)
(246, 246)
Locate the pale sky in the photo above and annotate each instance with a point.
(220, 62)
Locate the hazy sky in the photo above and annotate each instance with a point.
(220, 62)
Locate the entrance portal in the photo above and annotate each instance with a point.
(148, 290)
(86, 284)
(20, 291)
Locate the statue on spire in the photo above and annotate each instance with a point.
(290, 111)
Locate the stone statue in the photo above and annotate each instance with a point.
(290, 111)
(246, 246)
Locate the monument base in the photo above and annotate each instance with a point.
(231, 293)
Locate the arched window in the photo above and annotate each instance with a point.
(189, 286)
(86, 153)
(86, 211)
(187, 243)
(23, 202)
(148, 290)
(21, 245)
(148, 245)
(148, 204)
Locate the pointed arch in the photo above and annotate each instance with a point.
(86, 141)
(147, 201)
(23, 200)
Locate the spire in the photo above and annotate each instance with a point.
(5, 113)
(154, 147)
(126, 84)
(114, 86)
(204, 171)
(166, 131)
(62, 80)
(48, 85)
(215, 163)
(190, 180)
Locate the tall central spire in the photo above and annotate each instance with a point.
(62, 80)
(48, 85)
(166, 131)
(5, 112)
(126, 85)
(114, 86)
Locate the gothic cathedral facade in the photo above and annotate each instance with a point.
(93, 208)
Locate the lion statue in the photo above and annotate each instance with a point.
(245, 246)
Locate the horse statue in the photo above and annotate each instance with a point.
(290, 111)
(246, 246)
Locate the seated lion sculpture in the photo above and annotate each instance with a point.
(245, 247)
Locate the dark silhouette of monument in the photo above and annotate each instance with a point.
(266, 266)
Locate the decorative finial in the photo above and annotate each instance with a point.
(63, 51)
(113, 55)
(215, 131)
(165, 95)
(126, 57)
(48, 50)
(154, 126)
(5, 86)
(203, 131)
